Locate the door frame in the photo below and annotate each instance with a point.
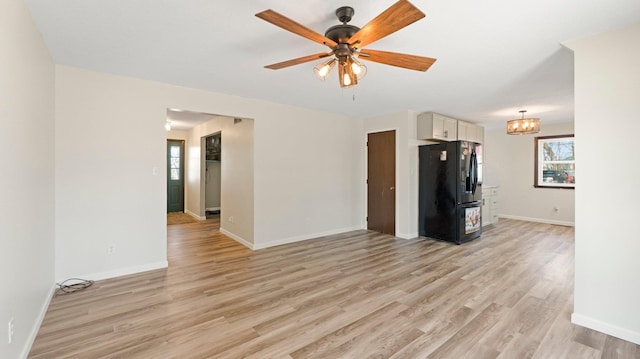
(366, 171)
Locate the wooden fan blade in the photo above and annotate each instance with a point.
(299, 60)
(399, 15)
(292, 26)
(405, 61)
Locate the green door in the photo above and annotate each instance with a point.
(175, 176)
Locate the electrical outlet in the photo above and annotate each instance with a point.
(111, 248)
(10, 330)
(231, 219)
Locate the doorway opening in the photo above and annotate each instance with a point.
(213, 175)
(226, 170)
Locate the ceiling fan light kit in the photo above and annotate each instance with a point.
(523, 126)
(346, 75)
(347, 41)
(323, 70)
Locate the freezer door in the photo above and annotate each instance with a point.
(469, 221)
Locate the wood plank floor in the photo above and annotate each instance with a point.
(355, 295)
(179, 218)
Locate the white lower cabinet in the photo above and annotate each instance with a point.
(489, 205)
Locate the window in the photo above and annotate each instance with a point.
(174, 156)
(555, 163)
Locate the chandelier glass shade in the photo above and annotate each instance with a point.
(523, 126)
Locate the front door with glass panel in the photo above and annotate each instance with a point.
(175, 176)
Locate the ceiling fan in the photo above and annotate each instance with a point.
(347, 41)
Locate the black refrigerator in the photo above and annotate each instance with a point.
(450, 193)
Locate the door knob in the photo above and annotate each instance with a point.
(391, 188)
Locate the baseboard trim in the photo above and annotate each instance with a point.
(305, 237)
(123, 271)
(200, 218)
(36, 326)
(539, 220)
(606, 328)
(407, 236)
(237, 238)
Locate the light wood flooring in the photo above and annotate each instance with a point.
(180, 218)
(354, 295)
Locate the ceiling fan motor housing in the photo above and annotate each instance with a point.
(343, 32)
(345, 13)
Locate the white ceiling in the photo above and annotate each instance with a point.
(495, 57)
(183, 120)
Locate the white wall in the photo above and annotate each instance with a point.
(212, 190)
(110, 136)
(509, 162)
(607, 100)
(405, 125)
(236, 184)
(308, 174)
(27, 180)
(178, 135)
(110, 175)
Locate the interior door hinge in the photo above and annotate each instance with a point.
(367, 219)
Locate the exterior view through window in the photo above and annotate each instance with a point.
(175, 162)
(555, 161)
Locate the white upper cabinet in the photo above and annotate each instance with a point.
(467, 131)
(432, 126)
(480, 134)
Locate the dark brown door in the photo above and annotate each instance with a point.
(381, 182)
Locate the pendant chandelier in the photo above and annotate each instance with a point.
(523, 126)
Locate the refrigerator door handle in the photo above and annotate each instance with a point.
(469, 176)
(475, 175)
(474, 171)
